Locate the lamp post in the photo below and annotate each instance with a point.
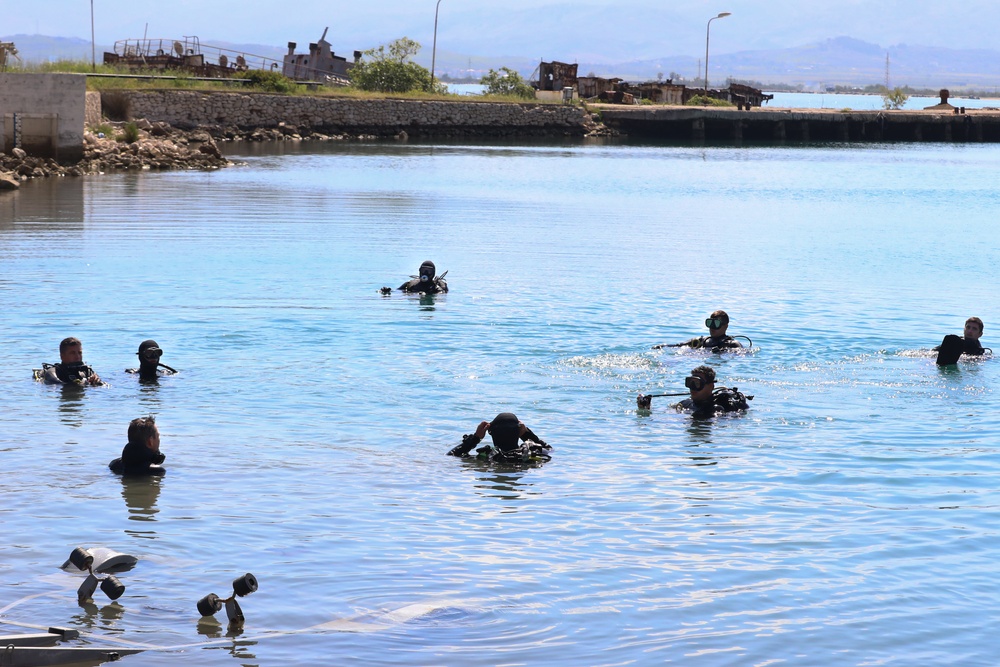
(434, 48)
(93, 49)
(708, 30)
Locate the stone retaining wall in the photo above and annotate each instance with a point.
(189, 109)
(92, 106)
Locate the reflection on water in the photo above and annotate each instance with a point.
(71, 399)
(44, 206)
(141, 493)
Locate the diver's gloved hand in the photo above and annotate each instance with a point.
(469, 442)
(529, 435)
(644, 402)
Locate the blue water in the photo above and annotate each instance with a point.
(850, 518)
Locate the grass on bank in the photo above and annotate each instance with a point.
(261, 82)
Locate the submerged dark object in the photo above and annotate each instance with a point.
(99, 560)
(950, 350)
(212, 603)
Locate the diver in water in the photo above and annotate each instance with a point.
(426, 282)
(717, 340)
(953, 347)
(150, 367)
(705, 400)
(70, 369)
(141, 456)
(512, 441)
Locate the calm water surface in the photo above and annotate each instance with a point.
(852, 517)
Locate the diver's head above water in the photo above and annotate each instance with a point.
(701, 383)
(506, 429)
(427, 271)
(717, 323)
(71, 351)
(149, 355)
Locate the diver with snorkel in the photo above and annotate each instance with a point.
(425, 282)
(150, 366)
(704, 400)
(717, 340)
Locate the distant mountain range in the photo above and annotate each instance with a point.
(838, 61)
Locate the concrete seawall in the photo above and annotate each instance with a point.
(43, 114)
(732, 125)
(381, 117)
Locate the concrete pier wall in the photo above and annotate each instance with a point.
(769, 126)
(43, 114)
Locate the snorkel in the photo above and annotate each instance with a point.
(427, 271)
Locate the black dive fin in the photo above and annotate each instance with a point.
(950, 350)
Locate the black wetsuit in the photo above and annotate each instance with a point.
(713, 343)
(972, 346)
(532, 448)
(969, 346)
(723, 400)
(74, 373)
(149, 374)
(433, 286)
(138, 460)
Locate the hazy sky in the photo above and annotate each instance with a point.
(550, 29)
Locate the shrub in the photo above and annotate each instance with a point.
(702, 100)
(270, 82)
(506, 83)
(116, 105)
(130, 133)
(893, 99)
(387, 69)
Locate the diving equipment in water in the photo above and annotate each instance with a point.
(74, 373)
(950, 350)
(212, 603)
(83, 560)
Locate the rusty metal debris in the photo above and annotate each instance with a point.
(7, 50)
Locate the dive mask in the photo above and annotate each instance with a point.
(695, 383)
(151, 354)
(714, 322)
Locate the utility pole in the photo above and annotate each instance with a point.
(887, 70)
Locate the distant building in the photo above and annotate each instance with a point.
(555, 76)
(320, 64)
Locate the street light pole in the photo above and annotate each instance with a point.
(93, 49)
(435, 47)
(708, 29)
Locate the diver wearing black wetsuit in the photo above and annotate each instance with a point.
(707, 401)
(426, 282)
(70, 370)
(953, 347)
(150, 367)
(512, 441)
(141, 456)
(717, 340)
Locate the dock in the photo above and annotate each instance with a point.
(759, 125)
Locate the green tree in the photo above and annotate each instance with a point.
(388, 69)
(893, 99)
(506, 83)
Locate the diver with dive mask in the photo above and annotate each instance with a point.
(704, 400)
(150, 367)
(717, 339)
(426, 282)
(512, 441)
